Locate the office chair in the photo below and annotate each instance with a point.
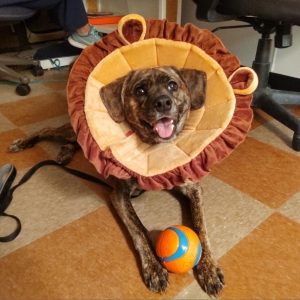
(266, 17)
(11, 15)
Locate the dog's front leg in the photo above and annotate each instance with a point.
(209, 275)
(155, 276)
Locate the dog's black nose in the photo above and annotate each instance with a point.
(163, 104)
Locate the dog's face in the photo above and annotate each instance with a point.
(155, 101)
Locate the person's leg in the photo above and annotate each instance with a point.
(72, 16)
(39, 4)
(83, 34)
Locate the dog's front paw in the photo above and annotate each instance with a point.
(155, 277)
(19, 145)
(65, 154)
(210, 277)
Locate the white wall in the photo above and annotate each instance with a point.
(242, 42)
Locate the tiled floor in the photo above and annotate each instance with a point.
(73, 246)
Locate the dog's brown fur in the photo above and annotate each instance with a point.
(63, 134)
(124, 101)
(143, 111)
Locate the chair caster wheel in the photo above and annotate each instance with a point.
(296, 142)
(23, 89)
(37, 71)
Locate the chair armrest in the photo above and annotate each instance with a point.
(207, 11)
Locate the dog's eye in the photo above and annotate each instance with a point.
(172, 86)
(140, 91)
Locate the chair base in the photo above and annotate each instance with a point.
(266, 101)
(275, 90)
(23, 87)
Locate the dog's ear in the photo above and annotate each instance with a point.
(111, 95)
(195, 81)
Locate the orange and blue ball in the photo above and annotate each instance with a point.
(178, 248)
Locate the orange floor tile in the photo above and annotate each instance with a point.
(262, 171)
(34, 109)
(265, 265)
(20, 160)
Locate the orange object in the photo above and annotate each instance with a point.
(101, 20)
(178, 248)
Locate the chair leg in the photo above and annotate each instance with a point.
(23, 87)
(296, 142)
(6, 70)
(267, 104)
(286, 97)
(275, 90)
(17, 61)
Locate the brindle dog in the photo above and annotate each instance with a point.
(155, 103)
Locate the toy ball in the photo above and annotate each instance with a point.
(178, 248)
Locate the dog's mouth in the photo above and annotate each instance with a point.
(163, 127)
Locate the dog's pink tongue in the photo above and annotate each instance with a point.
(164, 128)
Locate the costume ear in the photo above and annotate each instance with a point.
(196, 83)
(111, 95)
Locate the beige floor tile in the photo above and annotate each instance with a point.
(159, 210)
(52, 80)
(7, 225)
(259, 118)
(51, 122)
(9, 95)
(79, 162)
(55, 75)
(291, 208)
(55, 85)
(230, 214)
(56, 81)
(275, 134)
(193, 291)
(48, 201)
(5, 124)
